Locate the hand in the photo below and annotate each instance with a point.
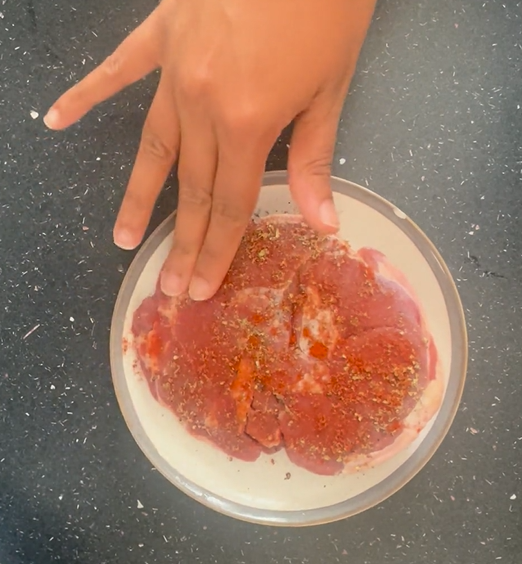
(233, 75)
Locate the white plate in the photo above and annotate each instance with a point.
(279, 492)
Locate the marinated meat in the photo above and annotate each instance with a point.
(307, 346)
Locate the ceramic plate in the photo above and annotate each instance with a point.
(272, 490)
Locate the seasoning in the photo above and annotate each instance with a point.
(318, 350)
(309, 352)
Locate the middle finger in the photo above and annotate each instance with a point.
(236, 187)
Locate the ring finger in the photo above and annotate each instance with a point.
(156, 155)
(237, 185)
(196, 173)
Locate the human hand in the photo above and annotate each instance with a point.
(234, 74)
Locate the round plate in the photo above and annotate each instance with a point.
(272, 490)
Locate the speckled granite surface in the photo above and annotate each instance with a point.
(434, 123)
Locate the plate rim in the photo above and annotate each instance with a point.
(377, 493)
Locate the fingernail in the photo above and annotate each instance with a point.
(328, 215)
(52, 118)
(172, 285)
(124, 239)
(199, 290)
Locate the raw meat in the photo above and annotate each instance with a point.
(307, 346)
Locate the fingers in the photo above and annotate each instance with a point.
(237, 185)
(156, 155)
(196, 172)
(136, 57)
(309, 162)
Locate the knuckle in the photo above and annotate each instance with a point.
(181, 247)
(232, 215)
(195, 82)
(245, 120)
(190, 196)
(112, 65)
(317, 166)
(135, 199)
(209, 254)
(154, 146)
(213, 256)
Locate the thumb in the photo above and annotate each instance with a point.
(309, 162)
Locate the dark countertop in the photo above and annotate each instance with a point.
(434, 123)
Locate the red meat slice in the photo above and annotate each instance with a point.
(263, 420)
(312, 429)
(271, 253)
(361, 298)
(353, 404)
(305, 346)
